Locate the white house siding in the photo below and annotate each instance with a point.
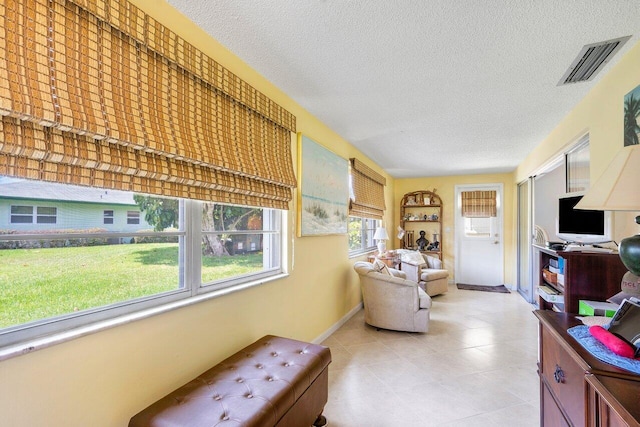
(75, 216)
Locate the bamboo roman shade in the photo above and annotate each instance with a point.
(367, 200)
(98, 93)
(479, 204)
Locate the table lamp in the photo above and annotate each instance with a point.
(618, 189)
(381, 236)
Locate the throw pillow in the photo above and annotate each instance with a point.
(413, 258)
(381, 267)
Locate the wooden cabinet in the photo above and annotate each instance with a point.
(613, 402)
(422, 211)
(577, 389)
(588, 276)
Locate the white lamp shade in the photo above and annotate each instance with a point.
(381, 234)
(618, 188)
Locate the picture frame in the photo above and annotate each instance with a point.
(323, 193)
(632, 117)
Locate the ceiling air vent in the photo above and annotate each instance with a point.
(590, 60)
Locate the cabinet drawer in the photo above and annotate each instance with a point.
(551, 415)
(564, 377)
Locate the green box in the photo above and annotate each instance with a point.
(596, 308)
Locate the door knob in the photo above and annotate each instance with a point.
(558, 375)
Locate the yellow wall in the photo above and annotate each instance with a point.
(600, 114)
(445, 188)
(105, 378)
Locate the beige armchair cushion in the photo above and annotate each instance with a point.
(392, 302)
(430, 275)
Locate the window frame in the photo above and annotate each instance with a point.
(12, 215)
(133, 217)
(190, 288)
(108, 219)
(479, 236)
(364, 249)
(43, 215)
(571, 160)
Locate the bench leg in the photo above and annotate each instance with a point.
(320, 421)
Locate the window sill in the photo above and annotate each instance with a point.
(59, 338)
(356, 254)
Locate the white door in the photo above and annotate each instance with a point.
(479, 242)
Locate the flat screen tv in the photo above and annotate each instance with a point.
(581, 226)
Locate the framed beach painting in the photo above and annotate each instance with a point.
(324, 190)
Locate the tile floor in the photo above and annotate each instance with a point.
(475, 367)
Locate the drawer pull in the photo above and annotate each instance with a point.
(558, 375)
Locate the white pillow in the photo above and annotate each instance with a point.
(381, 267)
(413, 258)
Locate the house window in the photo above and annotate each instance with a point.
(191, 248)
(24, 214)
(46, 215)
(133, 217)
(107, 217)
(577, 162)
(21, 214)
(361, 232)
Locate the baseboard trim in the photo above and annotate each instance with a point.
(326, 334)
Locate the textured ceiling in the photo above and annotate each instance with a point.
(424, 88)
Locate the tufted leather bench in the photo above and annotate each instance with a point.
(273, 382)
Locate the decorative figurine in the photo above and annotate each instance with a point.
(422, 242)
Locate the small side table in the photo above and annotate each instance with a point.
(391, 261)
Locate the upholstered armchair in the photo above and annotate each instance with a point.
(429, 274)
(391, 301)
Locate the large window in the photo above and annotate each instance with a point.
(65, 269)
(24, 214)
(361, 231)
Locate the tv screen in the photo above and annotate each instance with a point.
(581, 225)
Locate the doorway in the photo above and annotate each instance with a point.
(479, 234)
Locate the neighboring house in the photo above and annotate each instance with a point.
(28, 206)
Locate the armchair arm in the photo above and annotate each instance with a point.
(413, 272)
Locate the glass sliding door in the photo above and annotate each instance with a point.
(525, 282)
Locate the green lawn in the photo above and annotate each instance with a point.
(41, 283)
